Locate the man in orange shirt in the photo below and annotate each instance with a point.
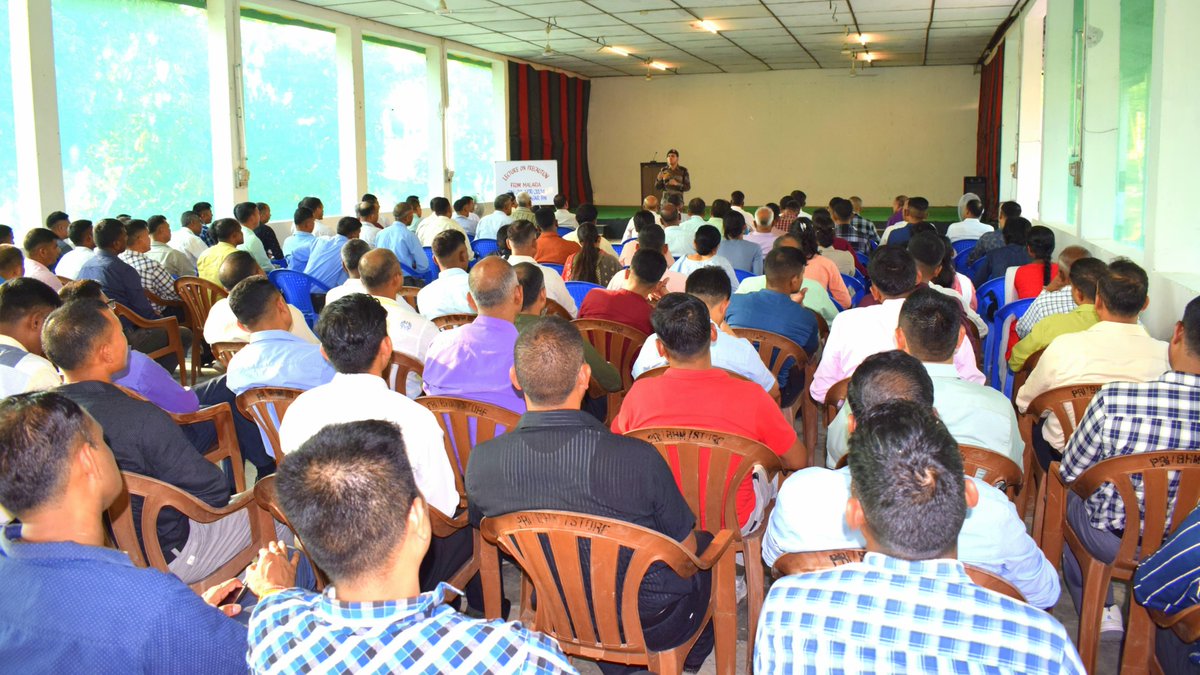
(552, 248)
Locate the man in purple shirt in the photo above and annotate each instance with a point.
(475, 361)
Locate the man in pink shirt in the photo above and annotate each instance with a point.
(763, 232)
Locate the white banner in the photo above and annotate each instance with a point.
(538, 177)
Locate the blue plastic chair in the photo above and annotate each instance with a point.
(280, 264)
(433, 268)
(485, 247)
(618, 249)
(297, 288)
(580, 289)
(564, 231)
(556, 268)
(857, 289)
(836, 304)
(989, 297)
(968, 269)
(995, 368)
(742, 275)
(963, 246)
(862, 258)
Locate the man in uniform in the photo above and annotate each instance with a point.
(673, 179)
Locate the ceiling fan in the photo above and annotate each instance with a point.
(442, 9)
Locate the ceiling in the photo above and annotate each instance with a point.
(752, 35)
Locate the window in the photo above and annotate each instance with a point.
(1077, 101)
(471, 128)
(397, 112)
(8, 145)
(289, 80)
(1137, 38)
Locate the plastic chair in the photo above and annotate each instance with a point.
(619, 345)
(862, 258)
(224, 351)
(280, 264)
(963, 246)
(742, 275)
(452, 321)
(556, 268)
(995, 345)
(465, 424)
(580, 289)
(856, 287)
(297, 289)
(484, 247)
(564, 231)
(992, 468)
(198, 295)
(168, 324)
(1067, 404)
(266, 406)
(618, 249)
(434, 271)
(989, 298)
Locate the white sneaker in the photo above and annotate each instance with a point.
(1111, 625)
(739, 587)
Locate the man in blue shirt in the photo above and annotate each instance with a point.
(325, 259)
(1169, 581)
(400, 240)
(274, 357)
(67, 603)
(297, 247)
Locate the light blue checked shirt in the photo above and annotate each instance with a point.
(298, 631)
(886, 615)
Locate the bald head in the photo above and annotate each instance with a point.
(650, 203)
(1068, 256)
(763, 217)
(380, 272)
(494, 288)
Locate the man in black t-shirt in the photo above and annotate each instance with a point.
(561, 458)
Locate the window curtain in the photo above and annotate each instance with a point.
(548, 120)
(987, 147)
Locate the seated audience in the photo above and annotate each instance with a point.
(823, 229)
(694, 394)
(297, 247)
(1169, 581)
(399, 239)
(24, 306)
(857, 231)
(266, 234)
(228, 234)
(12, 262)
(1159, 412)
(857, 333)
(948, 277)
(411, 333)
(1117, 348)
(897, 210)
(975, 414)
(1014, 253)
(737, 204)
(1056, 297)
(187, 239)
(651, 238)
(352, 253)
(746, 256)
(246, 214)
(561, 458)
(464, 215)
(916, 210)
(762, 229)
(1085, 274)
(489, 225)
(820, 269)
(325, 258)
(204, 212)
(448, 293)
(437, 222)
(649, 205)
(82, 245)
(551, 248)
(705, 243)
(928, 250)
(60, 224)
(61, 583)
(729, 352)
(813, 295)
(789, 212)
(522, 240)
(383, 607)
(222, 324)
(154, 277)
(368, 215)
(41, 254)
(970, 227)
(909, 499)
(1030, 279)
(591, 263)
(473, 361)
(524, 209)
(177, 263)
(809, 513)
(630, 246)
(630, 305)
(679, 238)
(993, 240)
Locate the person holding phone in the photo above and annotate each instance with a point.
(673, 179)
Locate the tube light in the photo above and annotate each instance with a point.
(618, 50)
(656, 64)
(708, 26)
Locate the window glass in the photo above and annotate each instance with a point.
(397, 114)
(289, 80)
(132, 82)
(1137, 37)
(8, 146)
(1077, 101)
(471, 129)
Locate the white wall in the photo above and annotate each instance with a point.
(894, 131)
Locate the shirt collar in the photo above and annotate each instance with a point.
(105, 253)
(12, 547)
(366, 614)
(358, 380)
(276, 334)
(491, 323)
(946, 370)
(453, 271)
(1132, 329)
(535, 419)
(12, 342)
(302, 234)
(946, 569)
(1183, 379)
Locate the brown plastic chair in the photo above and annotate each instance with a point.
(619, 345)
(1185, 624)
(268, 500)
(1067, 404)
(547, 544)
(711, 487)
(1026, 370)
(266, 406)
(224, 351)
(992, 468)
(409, 293)
(457, 417)
(402, 365)
(452, 321)
(198, 296)
(64, 280)
(156, 300)
(835, 398)
(554, 309)
(774, 350)
(1154, 520)
(174, 339)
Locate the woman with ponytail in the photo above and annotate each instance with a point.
(591, 263)
(1030, 279)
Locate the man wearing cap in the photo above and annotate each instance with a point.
(673, 179)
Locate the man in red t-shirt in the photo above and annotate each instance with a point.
(629, 305)
(694, 394)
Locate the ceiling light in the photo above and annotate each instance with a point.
(618, 50)
(708, 26)
(656, 64)
(868, 57)
(862, 39)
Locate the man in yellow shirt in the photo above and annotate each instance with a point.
(1085, 273)
(229, 236)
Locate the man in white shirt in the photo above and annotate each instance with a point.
(368, 215)
(24, 306)
(447, 294)
(1115, 349)
(83, 245)
(490, 224)
(355, 340)
(588, 214)
(970, 227)
(763, 232)
(352, 253)
(561, 214)
(187, 238)
(221, 324)
(410, 332)
(732, 353)
(650, 203)
(41, 251)
(677, 238)
(522, 240)
(857, 333)
(438, 222)
(737, 202)
(177, 263)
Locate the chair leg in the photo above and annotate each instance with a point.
(725, 614)
(489, 576)
(1138, 655)
(197, 352)
(752, 557)
(1095, 583)
(666, 662)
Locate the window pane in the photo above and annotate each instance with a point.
(290, 81)
(471, 129)
(132, 106)
(397, 111)
(8, 146)
(1137, 37)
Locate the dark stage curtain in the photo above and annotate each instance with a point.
(987, 148)
(547, 119)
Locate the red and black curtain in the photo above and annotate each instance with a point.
(987, 147)
(547, 119)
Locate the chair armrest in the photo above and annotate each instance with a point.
(221, 415)
(154, 299)
(1053, 499)
(165, 323)
(1185, 623)
(443, 525)
(720, 543)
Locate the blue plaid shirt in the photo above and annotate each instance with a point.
(1129, 417)
(886, 615)
(298, 631)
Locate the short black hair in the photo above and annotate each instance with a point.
(586, 213)
(38, 236)
(447, 242)
(682, 324)
(264, 205)
(1016, 230)
(201, 207)
(311, 203)
(886, 376)
(39, 433)
(368, 197)
(366, 208)
(439, 205)
(1010, 210)
(459, 204)
(351, 330)
(927, 249)
(652, 237)
(10, 256)
(931, 321)
(738, 198)
(1086, 277)
(843, 209)
(907, 473)
(348, 225)
(733, 224)
(707, 240)
(789, 204)
(225, 228)
(356, 472)
(545, 219)
(711, 284)
(251, 298)
(108, 232)
(974, 208)
(892, 270)
(560, 200)
(696, 206)
(78, 231)
(22, 296)
(1124, 288)
(414, 200)
(156, 221)
(532, 281)
(918, 205)
(72, 332)
(244, 210)
(56, 217)
(641, 219)
(379, 269)
(649, 265)
(783, 263)
(522, 232)
(82, 289)
(6, 233)
(302, 214)
(352, 252)
(720, 207)
(136, 227)
(547, 358)
(1191, 326)
(235, 267)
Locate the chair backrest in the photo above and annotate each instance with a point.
(198, 295)
(555, 309)
(580, 289)
(465, 424)
(963, 246)
(556, 268)
(774, 349)
(710, 467)
(409, 293)
(564, 231)
(1065, 403)
(617, 343)
(654, 372)
(485, 247)
(434, 270)
(1019, 377)
(402, 365)
(742, 275)
(605, 623)
(224, 351)
(857, 289)
(266, 406)
(996, 345)
(268, 500)
(297, 289)
(989, 298)
(835, 398)
(992, 468)
(451, 321)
